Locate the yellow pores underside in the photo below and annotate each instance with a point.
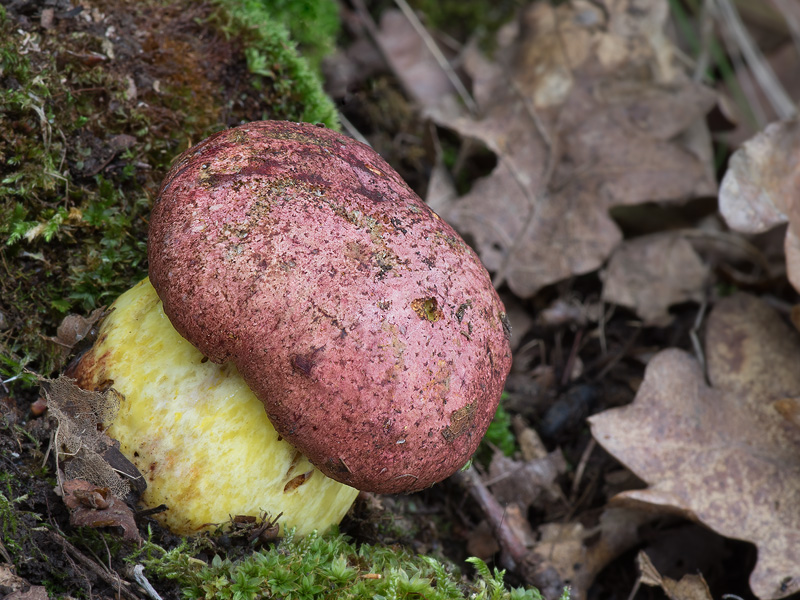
(196, 432)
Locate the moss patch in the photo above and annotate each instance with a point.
(327, 566)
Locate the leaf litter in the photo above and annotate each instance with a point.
(97, 479)
(651, 273)
(584, 112)
(588, 108)
(690, 587)
(761, 189)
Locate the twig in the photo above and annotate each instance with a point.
(722, 239)
(693, 335)
(572, 358)
(352, 131)
(4, 553)
(114, 582)
(513, 550)
(138, 575)
(635, 588)
(620, 355)
(587, 452)
(706, 40)
(763, 73)
(601, 326)
(441, 59)
(791, 14)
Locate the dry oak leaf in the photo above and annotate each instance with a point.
(586, 109)
(577, 552)
(761, 188)
(722, 454)
(651, 273)
(526, 483)
(690, 587)
(411, 60)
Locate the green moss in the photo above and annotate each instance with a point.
(499, 435)
(10, 527)
(326, 566)
(266, 28)
(312, 24)
(18, 524)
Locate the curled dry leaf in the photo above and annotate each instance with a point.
(93, 506)
(12, 585)
(762, 179)
(690, 587)
(651, 273)
(722, 454)
(34, 592)
(585, 110)
(74, 329)
(761, 188)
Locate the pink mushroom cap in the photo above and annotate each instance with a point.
(368, 328)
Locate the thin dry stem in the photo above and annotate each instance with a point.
(781, 102)
(441, 59)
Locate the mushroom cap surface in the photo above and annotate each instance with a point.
(366, 325)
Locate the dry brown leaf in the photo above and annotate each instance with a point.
(530, 443)
(722, 454)
(526, 483)
(481, 541)
(74, 329)
(348, 68)
(761, 188)
(763, 179)
(690, 587)
(87, 452)
(412, 61)
(93, 506)
(10, 582)
(441, 191)
(651, 273)
(565, 554)
(585, 110)
(578, 553)
(34, 592)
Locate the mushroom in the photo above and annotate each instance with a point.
(195, 430)
(296, 258)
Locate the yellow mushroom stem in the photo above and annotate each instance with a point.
(195, 430)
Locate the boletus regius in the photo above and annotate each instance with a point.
(296, 276)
